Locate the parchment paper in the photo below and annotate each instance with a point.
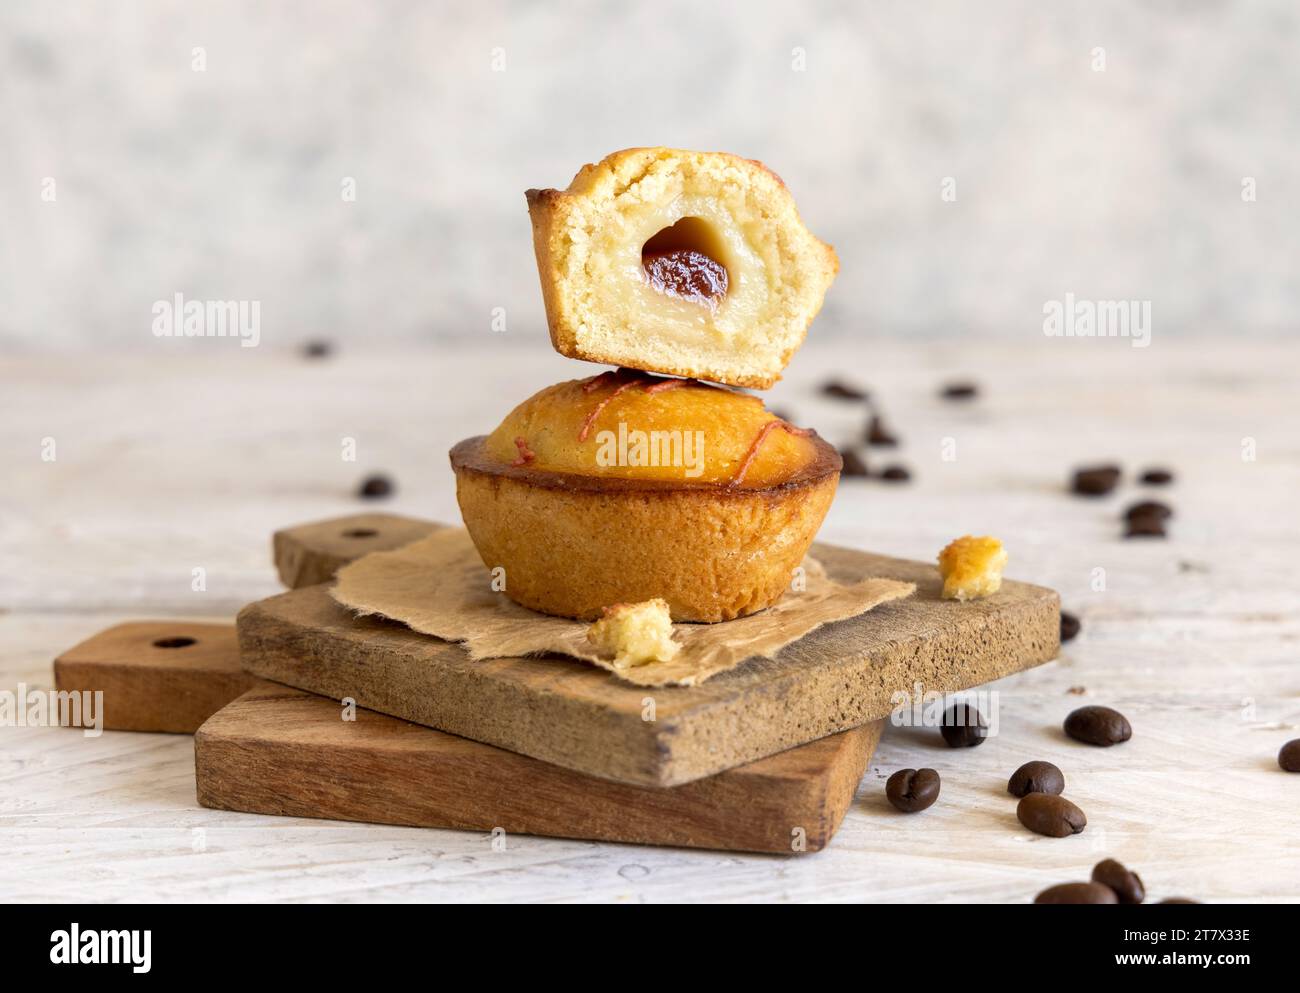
(439, 587)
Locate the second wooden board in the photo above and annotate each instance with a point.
(573, 715)
(277, 750)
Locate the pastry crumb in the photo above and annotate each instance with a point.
(972, 567)
(635, 633)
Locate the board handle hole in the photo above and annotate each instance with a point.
(177, 642)
(360, 533)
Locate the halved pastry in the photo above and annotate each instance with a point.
(628, 487)
(688, 263)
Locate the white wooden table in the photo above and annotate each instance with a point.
(190, 456)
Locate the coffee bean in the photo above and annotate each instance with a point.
(1036, 777)
(911, 790)
(317, 349)
(1077, 893)
(1049, 814)
(841, 390)
(1097, 480)
(1289, 757)
(1069, 626)
(1179, 899)
(1098, 726)
(878, 434)
(376, 486)
(959, 391)
(1156, 477)
(1149, 508)
(853, 463)
(895, 474)
(1145, 526)
(1126, 883)
(964, 726)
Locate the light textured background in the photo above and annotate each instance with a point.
(226, 183)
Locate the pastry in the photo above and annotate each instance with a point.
(972, 567)
(635, 633)
(687, 263)
(625, 487)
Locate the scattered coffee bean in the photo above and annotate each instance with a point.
(1077, 893)
(376, 486)
(1069, 626)
(1149, 508)
(1098, 726)
(1036, 777)
(1146, 526)
(1156, 477)
(911, 790)
(1097, 480)
(1179, 899)
(1289, 757)
(878, 434)
(959, 391)
(1126, 883)
(1049, 814)
(853, 463)
(841, 390)
(895, 474)
(317, 349)
(964, 726)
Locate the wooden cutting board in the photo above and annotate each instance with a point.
(311, 553)
(277, 750)
(157, 675)
(573, 715)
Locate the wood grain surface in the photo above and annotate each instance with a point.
(306, 554)
(189, 457)
(574, 715)
(277, 750)
(157, 675)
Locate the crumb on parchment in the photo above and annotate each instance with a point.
(635, 633)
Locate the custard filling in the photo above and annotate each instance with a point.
(677, 271)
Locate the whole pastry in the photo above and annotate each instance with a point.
(625, 486)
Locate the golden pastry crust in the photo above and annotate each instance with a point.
(634, 425)
(601, 305)
(573, 544)
(972, 567)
